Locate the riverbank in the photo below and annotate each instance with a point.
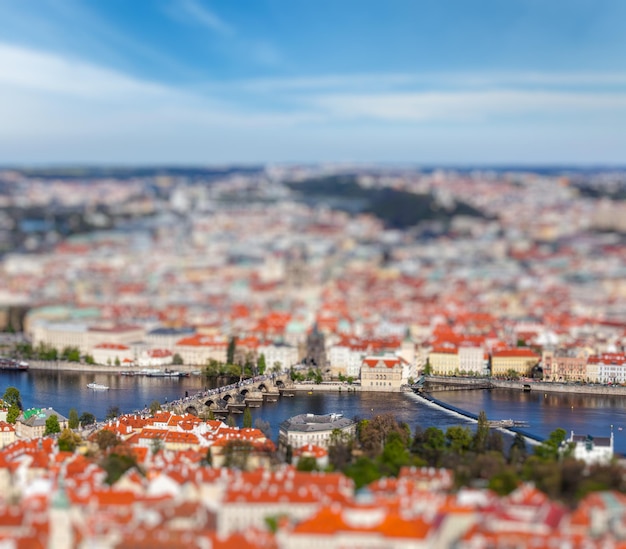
(565, 388)
(63, 366)
(326, 387)
(460, 383)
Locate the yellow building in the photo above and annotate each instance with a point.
(521, 360)
(444, 361)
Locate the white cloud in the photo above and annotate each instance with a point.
(56, 108)
(193, 12)
(465, 106)
(24, 68)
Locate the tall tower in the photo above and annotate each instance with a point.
(316, 349)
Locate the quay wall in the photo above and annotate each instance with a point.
(539, 386)
(326, 387)
(549, 387)
(60, 365)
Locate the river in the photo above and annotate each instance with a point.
(585, 414)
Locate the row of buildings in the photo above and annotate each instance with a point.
(185, 492)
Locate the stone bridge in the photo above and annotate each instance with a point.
(250, 393)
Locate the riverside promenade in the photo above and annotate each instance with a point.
(441, 383)
(61, 365)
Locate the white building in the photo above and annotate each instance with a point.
(306, 429)
(346, 359)
(283, 354)
(79, 334)
(472, 359)
(592, 450)
(384, 373)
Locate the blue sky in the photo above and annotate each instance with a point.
(216, 82)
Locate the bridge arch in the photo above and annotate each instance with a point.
(262, 387)
(191, 410)
(280, 384)
(244, 392)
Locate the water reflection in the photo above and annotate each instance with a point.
(544, 412)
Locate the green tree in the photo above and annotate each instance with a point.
(117, 361)
(237, 453)
(459, 439)
(479, 442)
(504, 483)
(340, 446)
(156, 445)
(231, 421)
(68, 440)
(247, 418)
(24, 349)
(13, 413)
(89, 359)
(307, 463)
(12, 396)
(512, 374)
(277, 367)
(230, 352)
(177, 360)
(116, 464)
(549, 449)
(363, 471)
(155, 406)
(260, 365)
(87, 418)
(113, 412)
(518, 451)
(72, 419)
(213, 368)
(373, 434)
(433, 446)
(427, 368)
(71, 354)
(395, 455)
(106, 439)
(52, 425)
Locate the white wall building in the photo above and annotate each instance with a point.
(285, 355)
(305, 429)
(592, 450)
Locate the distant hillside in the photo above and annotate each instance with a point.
(397, 209)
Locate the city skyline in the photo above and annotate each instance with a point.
(197, 82)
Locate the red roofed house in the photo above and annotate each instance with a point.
(7, 434)
(112, 353)
(383, 373)
(199, 348)
(312, 451)
(607, 368)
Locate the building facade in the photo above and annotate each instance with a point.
(383, 373)
(519, 360)
(306, 429)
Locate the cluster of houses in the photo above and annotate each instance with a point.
(470, 348)
(181, 494)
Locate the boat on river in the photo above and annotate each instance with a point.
(10, 364)
(165, 373)
(97, 386)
